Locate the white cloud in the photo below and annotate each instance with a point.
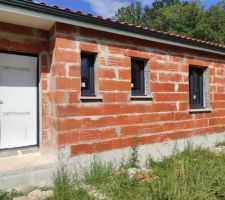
(107, 8)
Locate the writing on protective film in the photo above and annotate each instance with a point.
(13, 68)
(9, 114)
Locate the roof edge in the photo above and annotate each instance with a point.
(68, 17)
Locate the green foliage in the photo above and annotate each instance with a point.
(195, 174)
(220, 144)
(215, 22)
(164, 3)
(68, 187)
(134, 14)
(98, 172)
(181, 17)
(221, 5)
(133, 161)
(5, 195)
(8, 195)
(62, 183)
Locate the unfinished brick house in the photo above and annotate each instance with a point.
(72, 85)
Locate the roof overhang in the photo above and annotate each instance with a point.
(16, 16)
(43, 17)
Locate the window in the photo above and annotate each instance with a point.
(138, 77)
(87, 74)
(196, 79)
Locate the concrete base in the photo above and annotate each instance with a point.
(41, 175)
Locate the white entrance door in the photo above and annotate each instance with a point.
(18, 100)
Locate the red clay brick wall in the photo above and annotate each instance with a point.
(118, 122)
(15, 38)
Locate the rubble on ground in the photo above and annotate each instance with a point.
(36, 195)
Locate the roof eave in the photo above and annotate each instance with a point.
(73, 18)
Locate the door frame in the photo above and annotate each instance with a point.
(38, 96)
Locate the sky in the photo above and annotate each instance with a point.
(105, 8)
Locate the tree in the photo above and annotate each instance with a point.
(221, 5)
(132, 14)
(164, 3)
(181, 17)
(215, 24)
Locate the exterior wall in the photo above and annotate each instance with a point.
(74, 126)
(20, 39)
(117, 121)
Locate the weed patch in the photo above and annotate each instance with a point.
(67, 186)
(220, 144)
(195, 174)
(6, 195)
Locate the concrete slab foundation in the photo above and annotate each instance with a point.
(41, 175)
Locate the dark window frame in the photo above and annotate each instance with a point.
(142, 64)
(91, 74)
(200, 96)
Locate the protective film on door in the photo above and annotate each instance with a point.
(18, 100)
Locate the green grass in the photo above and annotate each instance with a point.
(194, 174)
(220, 144)
(8, 195)
(67, 186)
(191, 175)
(97, 173)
